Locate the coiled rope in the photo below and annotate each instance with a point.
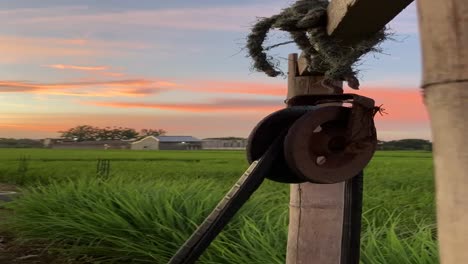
(306, 21)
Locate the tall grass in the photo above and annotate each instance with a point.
(137, 222)
(145, 210)
(121, 222)
(394, 242)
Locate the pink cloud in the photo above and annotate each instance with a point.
(216, 106)
(75, 67)
(97, 70)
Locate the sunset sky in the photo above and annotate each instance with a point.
(174, 65)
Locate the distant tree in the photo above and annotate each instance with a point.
(152, 132)
(80, 133)
(20, 143)
(127, 133)
(90, 133)
(407, 144)
(116, 133)
(105, 133)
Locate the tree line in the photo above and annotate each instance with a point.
(406, 144)
(20, 143)
(92, 133)
(89, 133)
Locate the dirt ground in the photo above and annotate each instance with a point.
(7, 187)
(12, 253)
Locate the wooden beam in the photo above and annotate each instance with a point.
(316, 210)
(351, 20)
(444, 39)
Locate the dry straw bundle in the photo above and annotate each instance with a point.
(306, 21)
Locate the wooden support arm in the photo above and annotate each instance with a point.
(351, 20)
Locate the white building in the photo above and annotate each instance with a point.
(167, 143)
(149, 143)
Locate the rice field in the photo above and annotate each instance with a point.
(147, 203)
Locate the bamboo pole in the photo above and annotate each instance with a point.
(444, 39)
(316, 210)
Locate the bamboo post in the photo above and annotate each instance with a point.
(316, 210)
(444, 39)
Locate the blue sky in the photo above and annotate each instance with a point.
(176, 65)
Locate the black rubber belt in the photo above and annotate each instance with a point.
(194, 247)
(351, 238)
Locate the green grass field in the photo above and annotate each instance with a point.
(152, 201)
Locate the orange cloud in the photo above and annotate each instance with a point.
(235, 87)
(401, 103)
(216, 106)
(137, 87)
(74, 67)
(99, 70)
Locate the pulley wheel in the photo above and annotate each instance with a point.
(266, 131)
(317, 148)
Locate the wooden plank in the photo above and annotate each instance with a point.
(316, 210)
(351, 20)
(444, 38)
(316, 223)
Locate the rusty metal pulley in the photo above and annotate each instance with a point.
(318, 147)
(325, 144)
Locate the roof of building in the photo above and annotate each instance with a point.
(178, 139)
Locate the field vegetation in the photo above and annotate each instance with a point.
(150, 202)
